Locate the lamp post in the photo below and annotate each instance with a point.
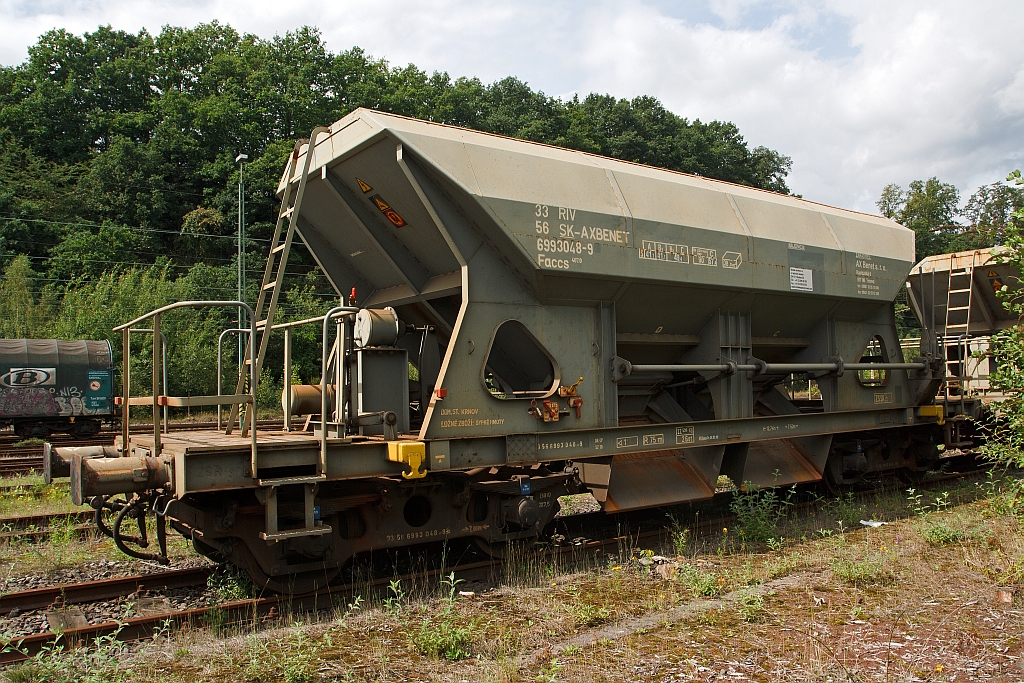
(240, 160)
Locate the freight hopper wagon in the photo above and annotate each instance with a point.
(519, 322)
(958, 302)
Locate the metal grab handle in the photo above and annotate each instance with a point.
(220, 349)
(347, 311)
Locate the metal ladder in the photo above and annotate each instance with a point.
(266, 307)
(273, 273)
(960, 285)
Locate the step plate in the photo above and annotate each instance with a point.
(294, 533)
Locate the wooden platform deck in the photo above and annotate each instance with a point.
(211, 441)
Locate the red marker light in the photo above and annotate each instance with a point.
(441, 393)
(352, 297)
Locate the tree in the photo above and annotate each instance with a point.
(929, 208)
(117, 151)
(993, 209)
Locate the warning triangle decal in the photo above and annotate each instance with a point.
(363, 186)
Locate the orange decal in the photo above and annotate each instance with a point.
(388, 212)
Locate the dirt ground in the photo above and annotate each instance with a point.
(934, 594)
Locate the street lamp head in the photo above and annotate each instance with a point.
(241, 157)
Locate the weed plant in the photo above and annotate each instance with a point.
(758, 511)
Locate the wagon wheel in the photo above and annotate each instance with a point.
(910, 476)
(299, 583)
(830, 483)
(207, 550)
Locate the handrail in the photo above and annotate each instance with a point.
(220, 350)
(347, 310)
(155, 315)
(294, 323)
(777, 368)
(187, 304)
(163, 353)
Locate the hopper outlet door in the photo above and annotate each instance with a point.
(644, 480)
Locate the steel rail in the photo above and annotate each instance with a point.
(103, 589)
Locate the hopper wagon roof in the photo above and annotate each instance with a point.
(558, 213)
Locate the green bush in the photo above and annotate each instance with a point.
(941, 534)
(444, 638)
(874, 569)
(758, 511)
(701, 583)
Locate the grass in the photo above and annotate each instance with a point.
(826, 598)
(30, 496)
(447, 637)
(864, 570)
(63, 548)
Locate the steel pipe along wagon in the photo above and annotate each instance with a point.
(516, 322)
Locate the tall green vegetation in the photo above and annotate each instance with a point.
(118, 185)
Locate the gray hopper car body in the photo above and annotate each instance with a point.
(576, 323)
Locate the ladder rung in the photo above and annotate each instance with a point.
(960, 291)
(261, 323)
(279, 248)
(959, 308)
(287, 212)
(270, 285)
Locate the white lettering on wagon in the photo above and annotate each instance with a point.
(651, 250)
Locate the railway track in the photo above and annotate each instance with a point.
(255, 610)
(41, 527)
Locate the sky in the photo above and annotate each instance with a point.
(859, 94)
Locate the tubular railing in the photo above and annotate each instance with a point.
(163, 354)
(777, 368)
(158, 399)
(220, 351)
(340, 312)
(286, 402)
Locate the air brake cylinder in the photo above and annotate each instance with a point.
(107, 476)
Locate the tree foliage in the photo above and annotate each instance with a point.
(931, 208)
(118, 185)
(141, 130)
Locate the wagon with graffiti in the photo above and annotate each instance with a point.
(51, 385)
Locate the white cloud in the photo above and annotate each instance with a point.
(859, 94)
